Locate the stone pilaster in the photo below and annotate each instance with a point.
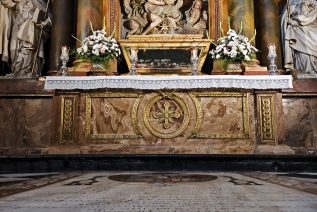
(242, 10)
(67, 125)
(268, 29)
(63, 19)
(88, 11)
(267, 106)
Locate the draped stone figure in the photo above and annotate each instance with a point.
(299, 30)
(197, 18)
(27, 20)
(5, 28)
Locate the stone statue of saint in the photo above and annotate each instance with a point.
(5, 28)
(27, 23)
(299, 30)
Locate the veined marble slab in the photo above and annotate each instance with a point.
(169, 82)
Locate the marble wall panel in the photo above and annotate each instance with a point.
(111, 117)
(300, 122)
(222, 115)
(25, 122)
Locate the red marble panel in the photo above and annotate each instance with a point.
(300, 123)
(25, 123)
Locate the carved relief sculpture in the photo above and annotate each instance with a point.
(146, 17)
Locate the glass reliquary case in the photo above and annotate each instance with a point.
(165, 36)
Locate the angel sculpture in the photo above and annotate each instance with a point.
(136, 16)
(197, 18)
(159, 11)
(145, 15)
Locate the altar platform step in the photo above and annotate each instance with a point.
(155, 162)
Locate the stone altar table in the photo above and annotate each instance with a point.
(174, 114)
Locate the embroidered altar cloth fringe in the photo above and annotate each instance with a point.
(169, 82)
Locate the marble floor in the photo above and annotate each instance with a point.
(150, 191)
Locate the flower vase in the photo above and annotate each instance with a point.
(233, 68)
(218, 67)
(80, 68)
(99, 69)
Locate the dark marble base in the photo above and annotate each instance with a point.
(53, 163)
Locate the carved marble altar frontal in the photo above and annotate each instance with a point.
(162, 122)
(162, 115)
(167, 115)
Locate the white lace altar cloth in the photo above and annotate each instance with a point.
(169, 82)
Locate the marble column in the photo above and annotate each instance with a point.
(63, 19)
(88, 11)
(242, 10)
(268, 28)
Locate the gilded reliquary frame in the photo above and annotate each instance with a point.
(149, 44)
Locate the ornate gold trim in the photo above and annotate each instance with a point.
(245, 109)
(135, 114)
(91, 136)
(246, 117)
(267, 119)
(112, 14)
(157, 98)
(67, 119)
(88, 116)
(199, 115)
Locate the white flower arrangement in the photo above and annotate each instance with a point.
(234, 47)
(98, 48)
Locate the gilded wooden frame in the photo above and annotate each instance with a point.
(177, 42)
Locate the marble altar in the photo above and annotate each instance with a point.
(167, 114)
(159, 115)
